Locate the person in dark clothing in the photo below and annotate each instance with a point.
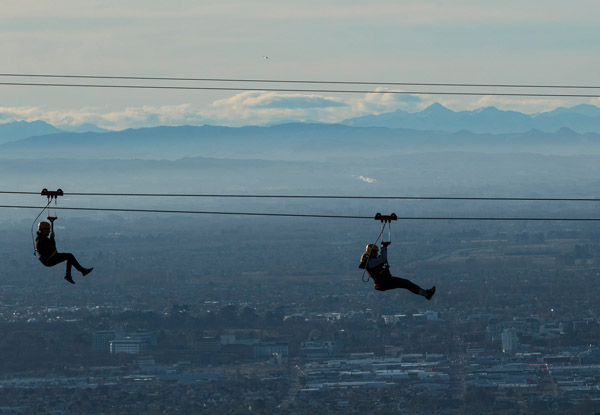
(49, 256)
(378, 268)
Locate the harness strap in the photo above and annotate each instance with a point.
(33, 224)
(369, 255)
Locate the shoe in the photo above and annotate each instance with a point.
(70, 279)
(429, 293)
(86, 271)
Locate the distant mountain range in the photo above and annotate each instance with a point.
(85, 128)
(22, 129)
(562, 131)
(489, 120)
(289, 142)
(17, 130)
(580, 118)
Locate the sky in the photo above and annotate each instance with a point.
(536, 42)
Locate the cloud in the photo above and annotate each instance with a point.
(267, 108)
(381, 102)
(367, 179)
(257, 99)
(130, 117)
(257, 107)
(299, 102)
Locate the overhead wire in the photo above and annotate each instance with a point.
(403, 218)
(266, 196)
(343, 91)
(198, 212)
(293, 81)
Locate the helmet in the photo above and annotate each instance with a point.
(371, 247)
(43, 225)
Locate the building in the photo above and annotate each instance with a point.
(101, 340)
(208, 345)
(150, 338)
(268, 349)
(510, 340)
(127, 345)
(320, 348)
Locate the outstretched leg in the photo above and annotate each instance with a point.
(395, 282)
(62, 257)
(71, 262)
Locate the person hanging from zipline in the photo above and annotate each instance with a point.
(49, 256)
(377, 266)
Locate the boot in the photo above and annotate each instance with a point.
(86, 271)
(429, 293)
(70, 279)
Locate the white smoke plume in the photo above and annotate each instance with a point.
(367, 179)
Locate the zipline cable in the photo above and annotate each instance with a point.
(343, 91)
(35, 220)
(447, 218)
(294, 81)
(198, 212)
(263, 196)
(362, 277)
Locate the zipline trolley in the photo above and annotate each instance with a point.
(50, 195)
(386, 220)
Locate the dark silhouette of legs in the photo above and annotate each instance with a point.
(395, 282)
(390, 283)
(61, 257)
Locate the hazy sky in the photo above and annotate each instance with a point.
(460, 41)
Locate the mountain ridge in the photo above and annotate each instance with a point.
(286, 141)
(581, 118)
(18, 130)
